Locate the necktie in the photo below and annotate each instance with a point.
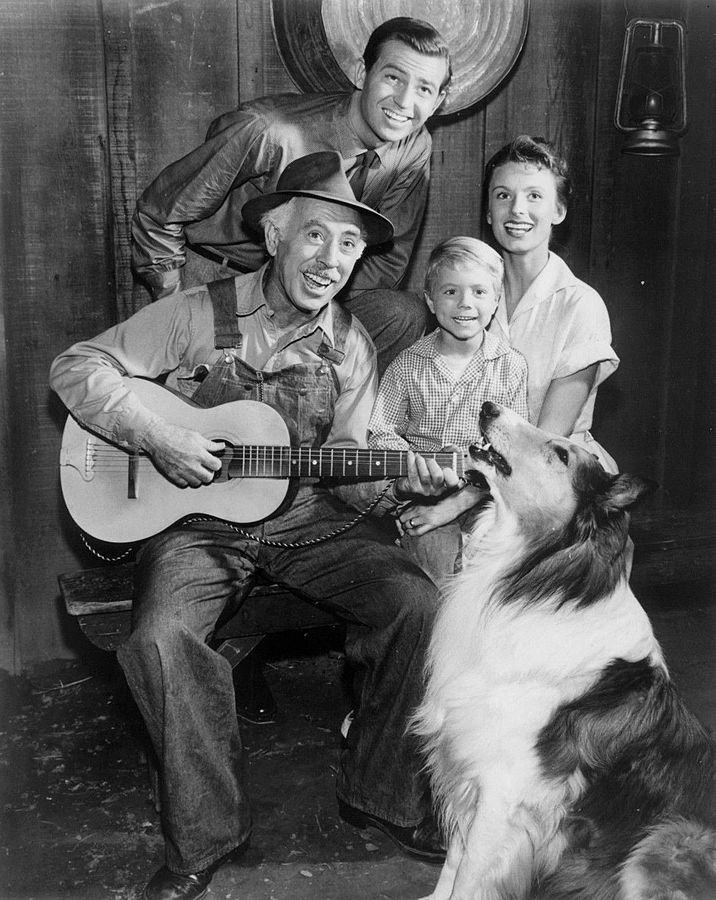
(359, 172)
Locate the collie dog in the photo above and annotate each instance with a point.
(562, 762)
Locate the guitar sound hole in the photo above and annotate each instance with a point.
(225, 456)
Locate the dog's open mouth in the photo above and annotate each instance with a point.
(486, 453)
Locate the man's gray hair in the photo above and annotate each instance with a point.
(281, 215)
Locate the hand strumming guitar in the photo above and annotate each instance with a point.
(182, 455)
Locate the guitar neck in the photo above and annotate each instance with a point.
(304, 462)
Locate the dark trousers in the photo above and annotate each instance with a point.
(188, 578)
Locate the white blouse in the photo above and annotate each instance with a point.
(561, 325)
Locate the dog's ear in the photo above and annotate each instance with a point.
(625, 490)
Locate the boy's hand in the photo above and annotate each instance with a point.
(425, 478)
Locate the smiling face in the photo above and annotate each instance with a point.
(314, 253)
(523, 207)
(398, 94)
(463, 299)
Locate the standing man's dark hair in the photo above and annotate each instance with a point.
(192, 209)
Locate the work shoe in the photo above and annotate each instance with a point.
(422, 840)
(168, 885)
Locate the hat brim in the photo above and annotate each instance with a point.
(378, 229)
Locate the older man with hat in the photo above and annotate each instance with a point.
(277, 336)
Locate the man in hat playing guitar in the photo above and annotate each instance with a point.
(275, 335)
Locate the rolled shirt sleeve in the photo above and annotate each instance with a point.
(561, 326)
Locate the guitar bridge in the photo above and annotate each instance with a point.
(132, 469)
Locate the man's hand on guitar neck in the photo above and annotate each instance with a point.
(184, 457)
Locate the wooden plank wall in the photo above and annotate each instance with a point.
(96, 96)
(55, 283)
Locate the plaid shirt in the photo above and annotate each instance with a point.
(423, 406)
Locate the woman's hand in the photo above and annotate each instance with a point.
(418, 519)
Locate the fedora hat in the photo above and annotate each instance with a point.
(321, 176)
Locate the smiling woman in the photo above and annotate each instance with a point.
(559, 324)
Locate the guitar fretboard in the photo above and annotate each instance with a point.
(286, 462)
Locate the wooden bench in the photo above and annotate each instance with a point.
(671, 546)
(101, 600)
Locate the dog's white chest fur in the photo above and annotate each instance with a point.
(498, 673)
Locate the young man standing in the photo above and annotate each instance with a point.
(379, 132)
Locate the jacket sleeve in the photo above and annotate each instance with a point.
(189, 190)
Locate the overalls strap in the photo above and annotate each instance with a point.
(342, 320)
(226, 323)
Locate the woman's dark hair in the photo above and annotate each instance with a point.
(536, 151)
(414, 33)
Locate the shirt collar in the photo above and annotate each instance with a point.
(492, 346)
(251, 298)
(555, 274)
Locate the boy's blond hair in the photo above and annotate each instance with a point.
(459, 251)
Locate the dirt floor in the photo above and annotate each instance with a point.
(77, 814)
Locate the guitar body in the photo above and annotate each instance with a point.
(119, 497)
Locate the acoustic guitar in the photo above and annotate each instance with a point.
(120, 497)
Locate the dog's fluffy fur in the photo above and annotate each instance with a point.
(562, 761)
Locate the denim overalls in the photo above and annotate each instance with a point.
(188, 578)
(305, 393)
